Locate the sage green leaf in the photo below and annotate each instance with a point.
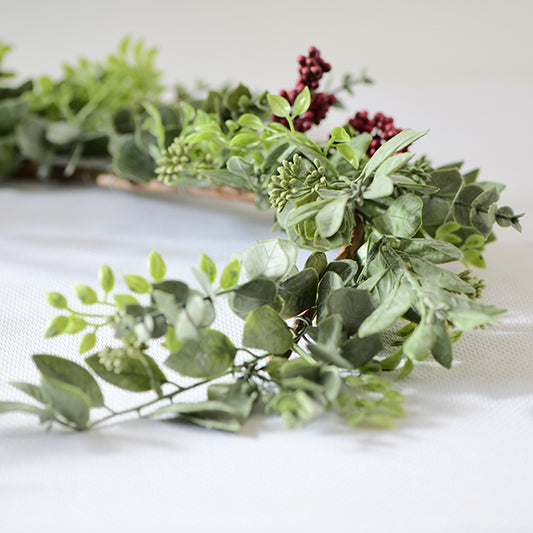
(106, 278)
(345, 268)
(137, 283)
(406, 369)
(85, 294)
(71, 373)
(395, 304)
(57, 300)
(123, 300)
(483, 221)
(279, 106)
(70, 401)
(397, 143)
(31, 390)
(211, 414)
(448, 180)
(266, 330)
(305, 211)
(62, 133)
(302, 102)
(9, 407)
(87, 343)
(420, 342)
(208, 356)
(431, 250)
(349, 154)
(331, 216)
(240, 395)
(360, 351)
(462, 205)
(360, 144)
(272, 259)
(440, 277)
(380, 187)
(468, 314)
(442, 347)
(208, 266)
(224, 177)
(56, 326)
(331, 355)
(392, 164)
(436, 210)
(230, 275)
(330, 282)
(486, 198)
(403, 218)
(156, 266)
(298, 292)
(133, 375)
(353, 305)
(317, 261)
(252, 295)
(131, 162)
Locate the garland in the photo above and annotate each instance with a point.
(360, 321)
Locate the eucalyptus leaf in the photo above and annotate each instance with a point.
(271, 259)
(403, 218)
(208, 356)
(299, 292)
(266, 330)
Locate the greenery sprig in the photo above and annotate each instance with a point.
(384, 305)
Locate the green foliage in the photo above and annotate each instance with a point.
(397, 218)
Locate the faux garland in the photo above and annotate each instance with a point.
(360, 321)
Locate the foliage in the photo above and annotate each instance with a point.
(396, 218)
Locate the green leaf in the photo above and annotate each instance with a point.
(380, 187)
(71, 373)
(85, 294)
(156, 266)
(106, 278)
(360, 351)
(272, 259)
(208, 356)
(448, 180)
(88, 342)
(75, 325)
(279, 106)
(133, 376)
(397, 143)
(266, 330)
(252, 295)
(330, 217)
(339, 134)
(439, 276)
(392, 164)
(137, 284)
(248, 120)
(298, 292)
(70, 401)
(349, 154)
(123, 300)
(8, 407)
(230, 275)
(395, 304)
(207, 266)
(62, 133)
(302, 102)
(345, 268)
(56, 326)
(31, 390)
(420, 341)
(431, 250)
(330, 282)
(353, 305)
(403, 218)
(442, 347)
(211, 414)
(318, 261)
(303, 212)
(57, 300)
(462, 205)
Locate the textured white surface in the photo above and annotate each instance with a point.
(460, 461)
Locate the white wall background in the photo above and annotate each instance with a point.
(408, 41)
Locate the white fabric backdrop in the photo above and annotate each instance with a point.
(460, 461)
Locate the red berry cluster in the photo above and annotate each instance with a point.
(380, 127)
(310, 70)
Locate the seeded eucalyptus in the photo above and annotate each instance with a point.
(357, 323)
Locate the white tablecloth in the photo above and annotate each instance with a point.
(460, 461)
